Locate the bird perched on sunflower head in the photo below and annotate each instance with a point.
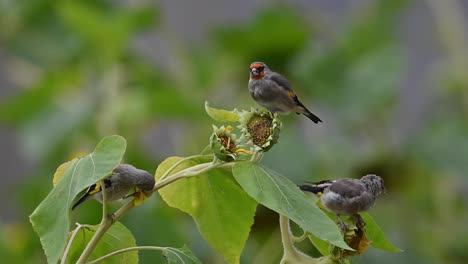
(274, 92)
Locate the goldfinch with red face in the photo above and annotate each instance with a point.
(273, 91)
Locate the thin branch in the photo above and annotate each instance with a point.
(70, 242)
(177, 164)
(189, 172)
(124, 250)
(105, 209)
(122, 210)
(108, 221)
(100, 232)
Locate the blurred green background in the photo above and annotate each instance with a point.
(388, 77)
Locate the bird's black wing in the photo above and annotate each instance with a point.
(316, 187)
(107, 183)
(284, 83)
(84, 196)
(348, 187)
(311, 188)
(281, 81)
(320, 182)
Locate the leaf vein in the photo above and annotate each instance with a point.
(71, 182)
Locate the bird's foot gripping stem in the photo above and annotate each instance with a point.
(343, 226)
(360, 223)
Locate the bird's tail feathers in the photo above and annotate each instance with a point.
(80, 201)
(312, 117)
(303, 110)
(316, 187)
(83, 198)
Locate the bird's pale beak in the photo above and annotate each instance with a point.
(254, 72)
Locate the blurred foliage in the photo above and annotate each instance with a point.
(273, 35)
(80, 77)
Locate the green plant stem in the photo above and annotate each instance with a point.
(256, 156)
(105, 209)
(124, 250)
(108, 220)
(299, 238)
(177, 164)
(72, 238)
(106, 223)
(189, 172)
(291, 254)
(260, 156)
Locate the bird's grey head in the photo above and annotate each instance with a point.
(257, 70)
(374, 184)
(146, 181)
(139, 178)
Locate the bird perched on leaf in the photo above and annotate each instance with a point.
(273, 91)
(123, 179)
(348, 196)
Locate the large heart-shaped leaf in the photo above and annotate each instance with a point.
(51, 219)
(321, 246)
(117, 237)
(281, 195)
(377, 236)
(222, 211)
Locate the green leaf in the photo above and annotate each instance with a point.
(322, 246)
(51, 219)
(281, 195)
(180, 255)
(221, 115)
(207, 150)
(222, 211)
(60, 172)
(376, 235)
(117, 237)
